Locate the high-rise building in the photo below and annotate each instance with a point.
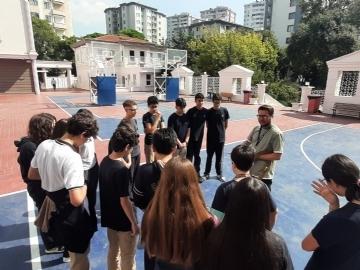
(56, 12)
(177, 22)
(218, 13)
(285, 19)
(144, 19)
(257, 15)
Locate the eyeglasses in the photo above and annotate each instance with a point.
(262, 116)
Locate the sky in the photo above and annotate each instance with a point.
(88, 15)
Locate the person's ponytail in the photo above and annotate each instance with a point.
(353, 191)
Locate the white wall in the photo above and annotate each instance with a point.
(13, 40)
(280, 20)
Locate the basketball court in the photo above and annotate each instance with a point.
(309, 139)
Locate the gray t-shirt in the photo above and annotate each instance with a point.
(268, 139)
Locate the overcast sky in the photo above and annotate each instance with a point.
(88, 15)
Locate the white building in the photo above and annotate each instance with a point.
(218, 13)
(136, 63)
(17, 48)
(257, 15)
(176, 22)
(285, 19)
(56, 12)
(144, 19)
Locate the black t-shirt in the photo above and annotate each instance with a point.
(338, 235)
(197, 120)
(216, 124)
(146, 181)
(179, 124)
(132, 123)
(281, 253)
(114, 180)
(222, 197)
(149, 118)
(26, 150)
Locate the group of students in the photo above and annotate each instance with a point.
(59, 165)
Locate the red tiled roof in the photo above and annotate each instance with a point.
(121, 38)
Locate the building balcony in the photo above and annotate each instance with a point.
(58, 12)
(59, 2)
(59, 25)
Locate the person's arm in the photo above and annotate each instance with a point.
(309, 243)
(268, 156)
(219, 203)
(129, 212)
(139, 192)
(33, 174)
(227, 116)
(77, 195)
(151, 128)
(277, 145)
(226, 124)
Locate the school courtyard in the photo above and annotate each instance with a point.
(309, 139)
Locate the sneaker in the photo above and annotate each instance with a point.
(54, 250)
(206, 176)
(66, 256)
(221, 178)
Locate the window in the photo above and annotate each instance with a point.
(292, 15)
(35, 14)
(47, 5)
(349, 82)
(33, 2)
(48, 18)
(290, 28)
(292, 3)
(148, 79)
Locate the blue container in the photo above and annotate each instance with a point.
(172, 89)
(106, 87)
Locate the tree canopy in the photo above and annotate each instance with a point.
(216, 51)
(131, 33)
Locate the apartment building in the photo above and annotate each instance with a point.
(144, 19)
(176, 23)
(56, 12)
(257, 15)
(17, 49)
(199, 29)
(218, 13)
(136, 63)
(285, 19)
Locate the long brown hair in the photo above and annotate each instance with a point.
(176, 221)
(40, 127)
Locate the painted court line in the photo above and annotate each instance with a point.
(308, 137)
(12, 193)
(33, 235)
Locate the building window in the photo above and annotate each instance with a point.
(48, 18)
(47, 5)
(292, 3)
(33, 2)
(292, 15)
(349, 82)
(290, 28)
(35, 14)
(148, 79)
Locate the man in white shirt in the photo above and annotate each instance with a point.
(58, 164)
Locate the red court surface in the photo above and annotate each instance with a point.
(16, 110)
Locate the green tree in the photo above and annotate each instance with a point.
(93, 35)
(131, 33)
(217, 51)
(354, 13)
(313, 8)
(283, 91)
(45, 38)
(322, 38)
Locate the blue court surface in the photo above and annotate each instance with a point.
(299, 208)
(108, 125)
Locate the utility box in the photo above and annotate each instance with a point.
(314, 103)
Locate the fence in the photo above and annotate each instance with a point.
(213, 84)
(197, 85)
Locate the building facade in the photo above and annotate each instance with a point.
(176, 23)
(218, 13)
(136, 63)
(257, 15)
(56, 12)
(285, 19)
(199, 29)
(144, 19)
(17, 49)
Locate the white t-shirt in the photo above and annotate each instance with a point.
(59, 166)
(87, 153)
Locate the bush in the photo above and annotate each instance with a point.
(284, 92)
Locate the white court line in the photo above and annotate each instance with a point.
(308, 137)
(12, 193)
(33, 235)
